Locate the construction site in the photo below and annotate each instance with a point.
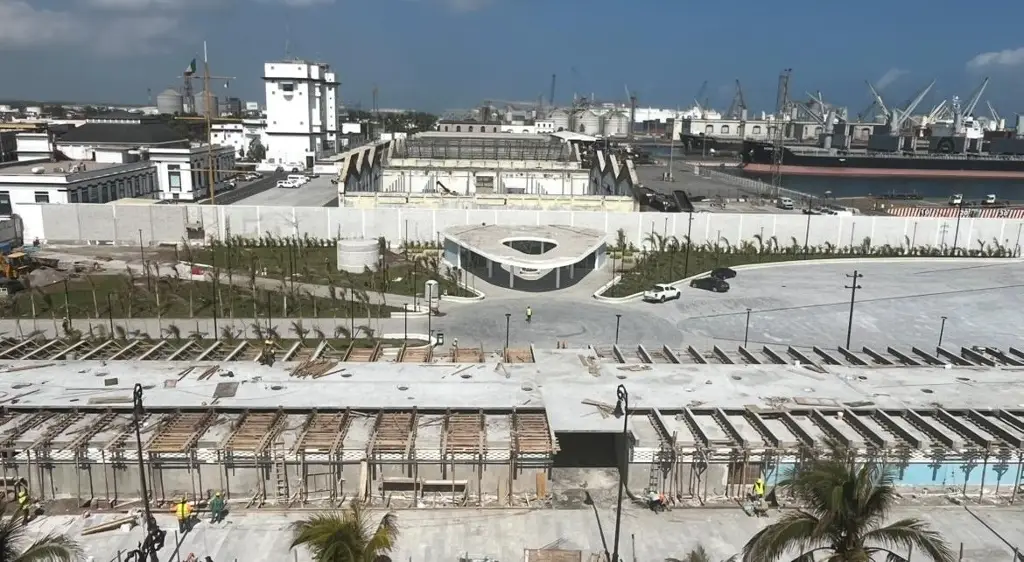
(451, 427)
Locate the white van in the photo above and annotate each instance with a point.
(783, 203)
(299, 179)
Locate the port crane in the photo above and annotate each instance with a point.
(738, 105)
(778, 131)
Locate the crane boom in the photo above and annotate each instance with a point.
(878, 100)
(972, 102)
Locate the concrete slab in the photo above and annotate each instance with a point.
(447, 534)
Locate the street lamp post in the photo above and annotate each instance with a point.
(689, 242)
(508, 318)
(154, 540)
(942, 330)
(621, 410)
(853, 286)
(746, 331)
(956, 232)
(618, 318)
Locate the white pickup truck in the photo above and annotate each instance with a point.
(661, 293)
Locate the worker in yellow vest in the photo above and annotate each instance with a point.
(23, 503)
(183, 511)
(759, 489)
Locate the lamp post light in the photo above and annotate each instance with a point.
(942, 330)
(154, 540)
(618, 318)
(689, 242)
(956, 233)
(746, 331)
(621, 410)
(853, 286)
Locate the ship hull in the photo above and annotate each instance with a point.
(757, 158)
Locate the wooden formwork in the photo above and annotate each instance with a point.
(467, 355)
(393, 432)
(254, 431)
(362, 354)
(323, 432)
(465, 433)
(519, 355)
(180, 433)
(416, 355)
(531, 433)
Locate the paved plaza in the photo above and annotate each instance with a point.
(801, 304)
(439, 535)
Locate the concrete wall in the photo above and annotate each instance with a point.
(489, 176)
(166, 224)
(499, 202)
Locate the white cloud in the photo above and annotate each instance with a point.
(890, 76)
(1006, 57)
(24, 27)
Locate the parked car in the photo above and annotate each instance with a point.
(712, 284)
(288, 184)
(661, 293)
(785, 203)
(723, 273)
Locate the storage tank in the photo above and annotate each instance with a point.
(589, 122)
(354, 256)
(616, 123)
(560, 117)
(201, 104)
(170, 102)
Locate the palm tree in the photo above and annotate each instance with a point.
(844, 507)
(49, 548)
(348, 536)
(698, 554)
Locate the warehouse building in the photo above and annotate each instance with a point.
(463, 164)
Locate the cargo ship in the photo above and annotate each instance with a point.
(978, 155)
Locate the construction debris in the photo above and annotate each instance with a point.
(314, 369)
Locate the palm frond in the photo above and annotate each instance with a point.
(907, 532)
(797, 530)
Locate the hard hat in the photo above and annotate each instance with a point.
(217, 494)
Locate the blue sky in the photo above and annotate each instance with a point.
(438, 54)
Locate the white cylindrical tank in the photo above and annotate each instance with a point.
(616, 123)
(560, 117)
(34, 110)
(170, 102)
(589, 123)
(354, 256)
(201, 104)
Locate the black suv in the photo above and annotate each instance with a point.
(723, 273)
(713, 284)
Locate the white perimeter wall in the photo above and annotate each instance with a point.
(79, 223)
(504, 180)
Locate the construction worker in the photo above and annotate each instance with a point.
(529, 314)
(216, 508)
(759, 489)
(269, 353)
(183, 511)
(23, 502)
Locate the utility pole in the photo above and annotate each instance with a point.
(956, 233)
(853, 286)
(207, 117)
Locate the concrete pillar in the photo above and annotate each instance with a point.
(490, 268)
(558, 277)
(511, 277)
(572, 271)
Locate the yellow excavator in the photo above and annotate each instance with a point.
(16, 264)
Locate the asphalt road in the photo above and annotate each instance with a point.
(268, 181)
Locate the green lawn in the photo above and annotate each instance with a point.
(318, 265)
(99, 296)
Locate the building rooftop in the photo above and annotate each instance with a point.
(122, 134)
(492, 146)
(62, 168)
(563, 245)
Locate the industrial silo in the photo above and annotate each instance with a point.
(170, 102)
(616, 123)
(589, 122)
(560, 117)
(355, 256)
(201, 104)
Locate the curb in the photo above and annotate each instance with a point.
(752, 266)
(479, 295)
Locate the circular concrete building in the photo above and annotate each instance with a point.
(526, 258)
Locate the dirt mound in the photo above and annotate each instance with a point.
(44, 277)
